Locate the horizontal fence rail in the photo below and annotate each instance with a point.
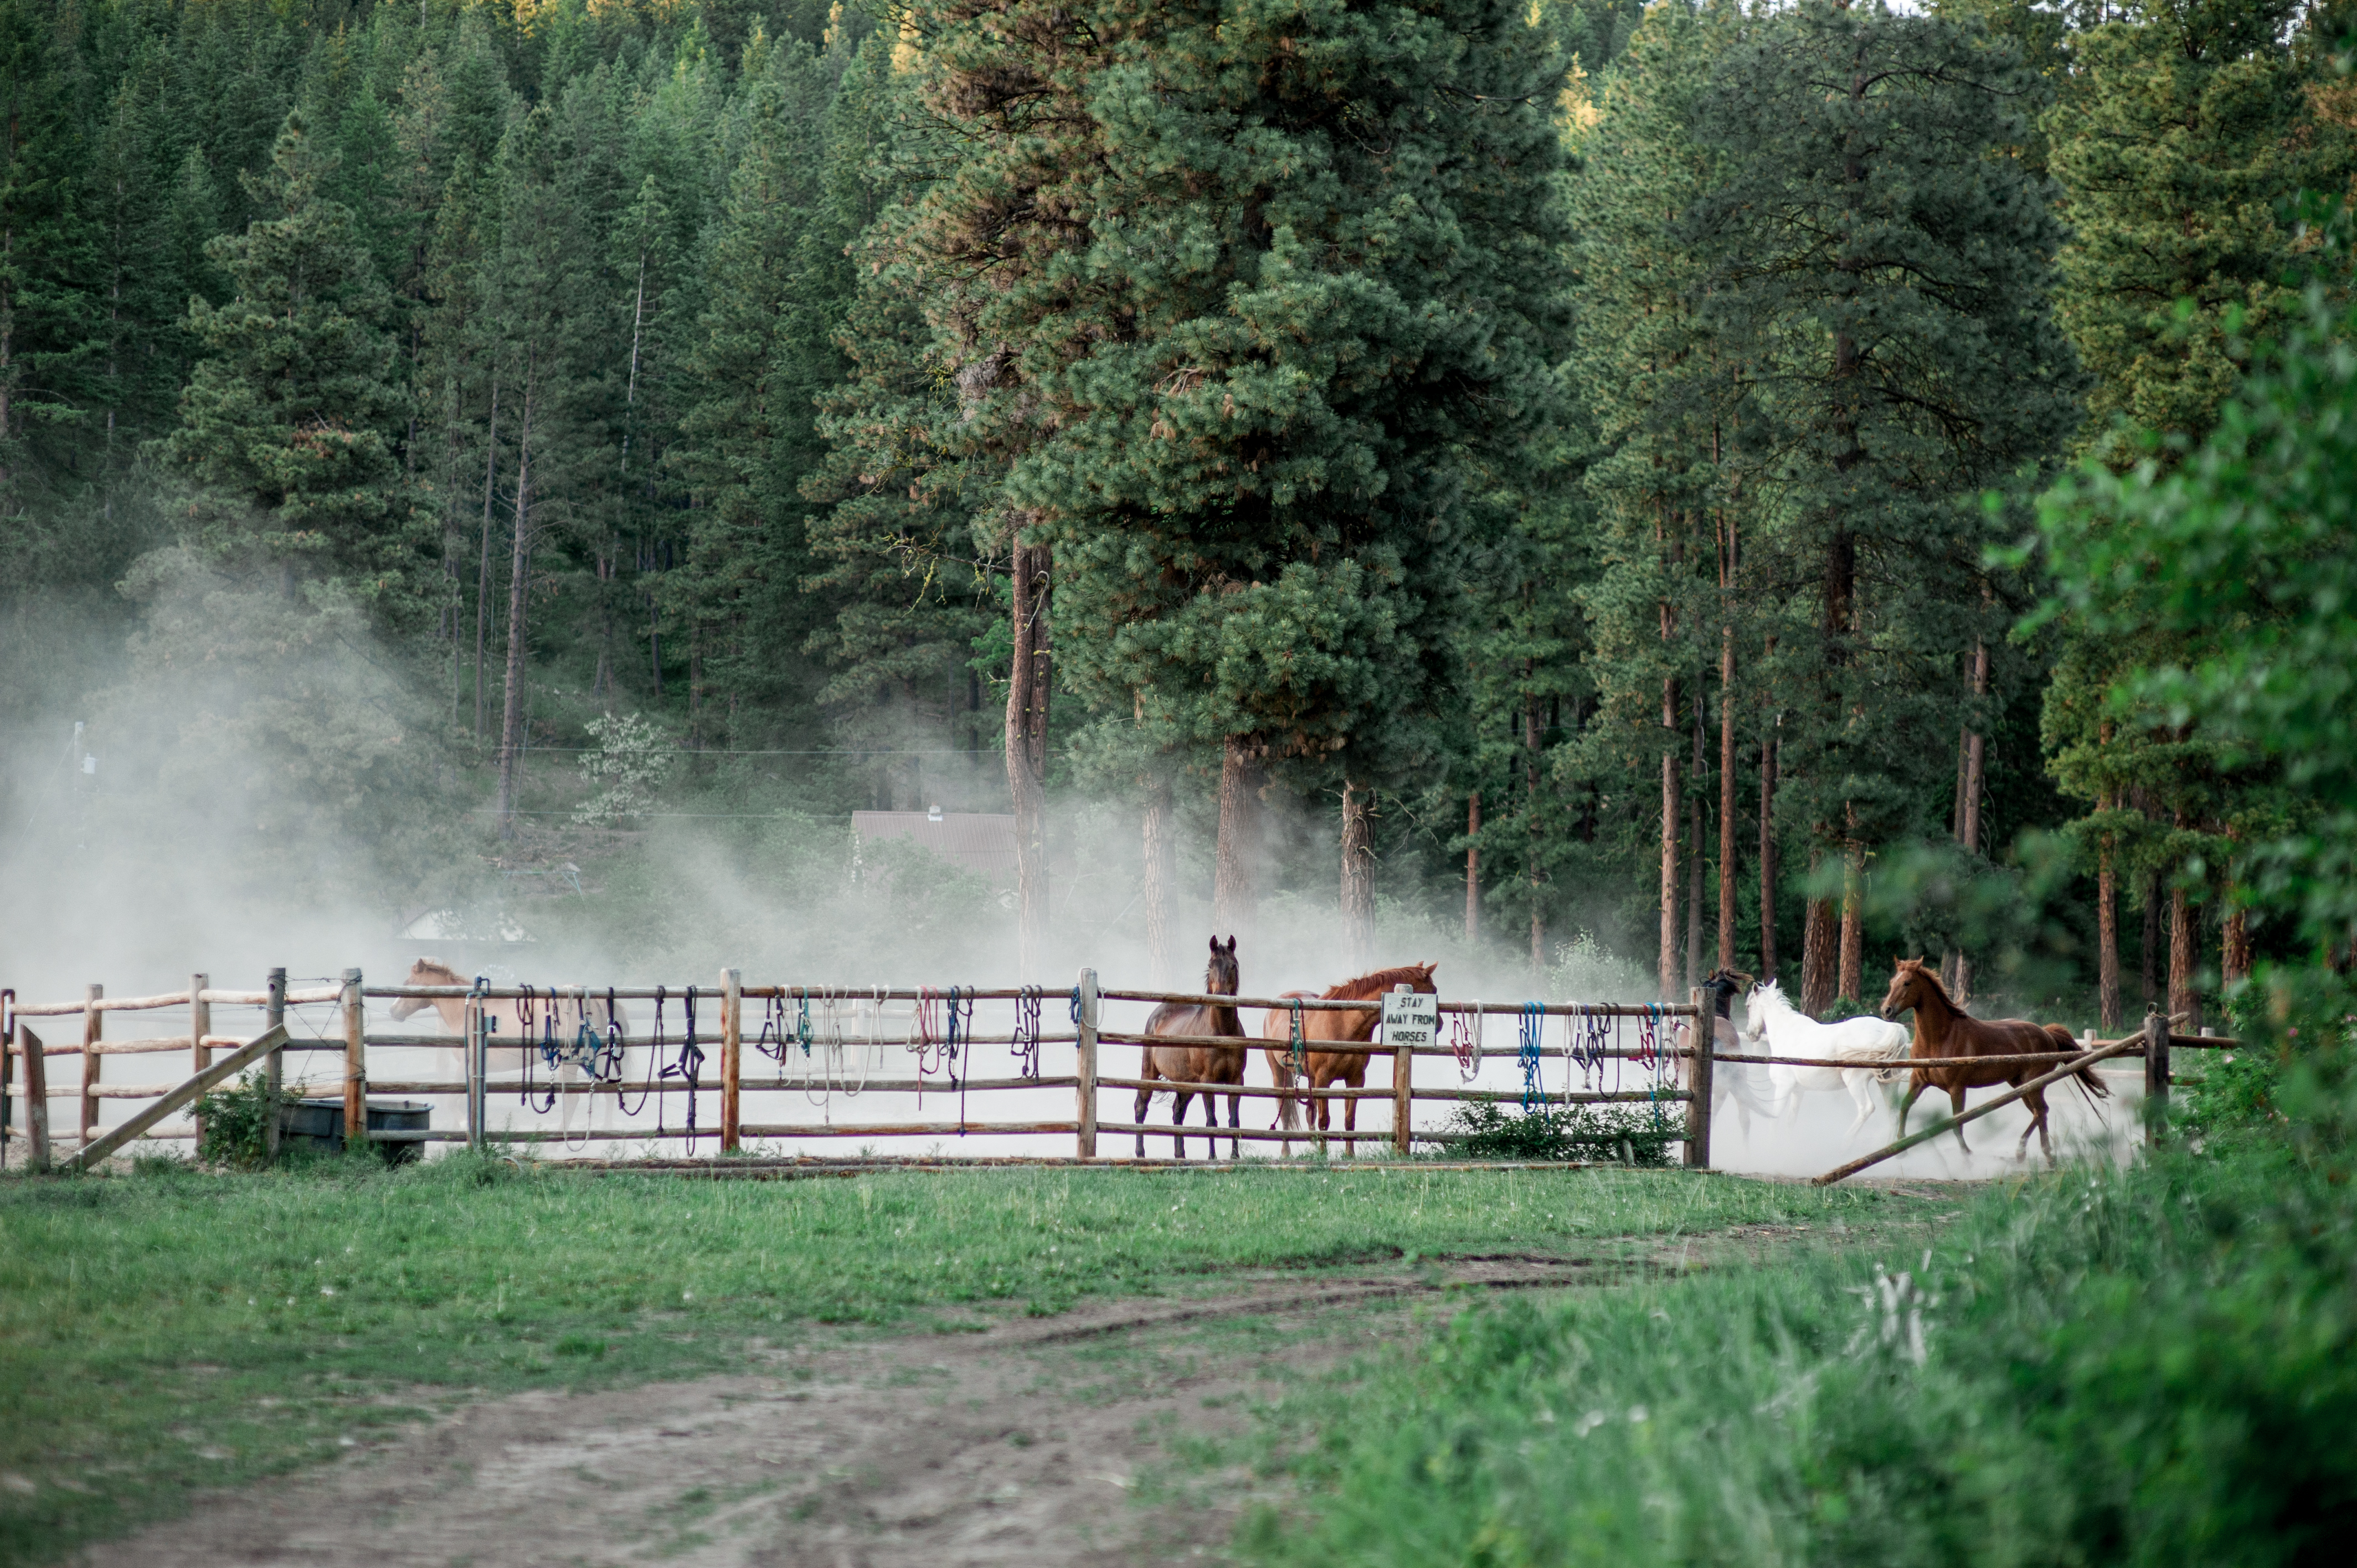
(834, 1046)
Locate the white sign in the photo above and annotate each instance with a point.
(1412, 1019)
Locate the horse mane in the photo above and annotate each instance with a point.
(436, 963)
(1768, 993)
(1376, 983)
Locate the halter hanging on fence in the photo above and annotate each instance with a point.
(615, 1043)
(1024, 1048)
(545, 1048)
(1533, 1024)
(689, 1068)
(802, 1021)
(1465, 1042)
(771, 1039)
(961, 1035)
(1297, 1048)
(1650, 1055)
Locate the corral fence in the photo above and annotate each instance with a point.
(707, 1066)
(589, 1052)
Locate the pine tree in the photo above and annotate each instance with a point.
(750, 438)
(1879, 267)
(2190, 129)
(1666, 398)
(44, 240)
(297, 409)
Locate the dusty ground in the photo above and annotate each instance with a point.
(1044, 1442)
(1027, 1442)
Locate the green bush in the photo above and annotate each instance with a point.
(1495, 1128)
(235, 1121)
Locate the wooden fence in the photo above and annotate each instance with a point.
(936, 1026)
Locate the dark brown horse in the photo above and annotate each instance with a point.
(1945, 1029)
(1350, 1026)
(1198, 1064)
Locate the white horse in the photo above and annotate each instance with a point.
(1789, 1032)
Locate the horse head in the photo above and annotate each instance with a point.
(1910, 984)
(1220, 977)
(1723, 986)
(424, 971)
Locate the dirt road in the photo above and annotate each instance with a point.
(1039, 1443)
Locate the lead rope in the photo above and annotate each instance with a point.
(655, 1074)
(1534, 1021)
(958, 1080)
(1465, 1041)
(921, 1037)
(690, 1069)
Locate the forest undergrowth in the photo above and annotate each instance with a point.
(2154, 1364)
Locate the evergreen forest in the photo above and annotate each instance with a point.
(1718, 476)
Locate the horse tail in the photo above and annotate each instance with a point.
(2084, 1079)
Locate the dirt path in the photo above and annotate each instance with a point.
(1026, 1443)
(1039, 1442)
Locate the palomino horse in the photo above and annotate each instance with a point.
(1945, 1029)
(506, 1013)
(1341, 1026)
(1741, 1083)
(1197, 1064)
(1789, 1032)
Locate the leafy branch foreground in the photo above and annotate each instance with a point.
(167, 1332)
(2157, 1366)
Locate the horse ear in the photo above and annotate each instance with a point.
(1231, 947)
(1215, 945)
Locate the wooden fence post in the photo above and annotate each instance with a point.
(1403, 1090)
(36, 1096)
(200, 1056)
(273, 1071)
(732, 1054)
(2156, 1075)
(1087, 1032)
(93, 1024)
(478, 1051)
(355, 1061)
(1704, 1035)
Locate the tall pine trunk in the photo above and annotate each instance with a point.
(1852, 914)
(1770, 750)
(1820, 937)
(1531, 738)
(2107, 936)
(1160, 870)
(2150, 966)
(1976, 762)
(1234, 895)
(1669, 955)
(1358, 879)
(1727, 799)
(512, 720)
(483, 568)
(1695, 858)
(2184, 996)
(1473, 865)
(1027, 751)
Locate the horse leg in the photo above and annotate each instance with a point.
(1235, 1121)
(1956, 1108)
(1145, 1099)
(1179, 1100)
(1913, 1091)
(1349, 1126)
(1860, 1096)
(2037, 1103)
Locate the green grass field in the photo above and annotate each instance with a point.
(2153, 1366)
(168, 1331)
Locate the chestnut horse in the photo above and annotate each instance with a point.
(1341, 1026)
(1945, 1029)
(568, 1005)
(1197, 1064)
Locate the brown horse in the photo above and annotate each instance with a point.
(1198, 1064)
(1342, 1027)
(1945, 1029)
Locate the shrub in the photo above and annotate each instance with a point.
(1494, 1129)
(236, 1121)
